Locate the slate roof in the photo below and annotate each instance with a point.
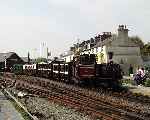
(5, 55)
(25, 59)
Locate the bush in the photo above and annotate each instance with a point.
(126, 81)
(147, 83)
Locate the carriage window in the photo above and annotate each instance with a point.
(62, 67)
(45, 66)
(92, 59)
(56, 67)
(110, 55)
(87, 59)
(66, 67)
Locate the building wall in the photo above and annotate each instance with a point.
(126, 55)
(43, 50)
(68, 58)
(146, 60)
(102, 55)
(125, 51)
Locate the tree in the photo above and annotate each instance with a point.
(38, 60)
(146, 50)
(138, 41)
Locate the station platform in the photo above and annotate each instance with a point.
(7, 110)
(138, 89)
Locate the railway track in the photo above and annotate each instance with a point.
(80, 103)
(79, 99)
(124, 94)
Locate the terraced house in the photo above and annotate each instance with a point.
(118, 48)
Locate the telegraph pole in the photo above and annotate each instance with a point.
(28, 57)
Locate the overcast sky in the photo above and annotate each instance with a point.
(24, 24)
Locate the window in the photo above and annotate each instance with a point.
(87, 59)
(110, 55)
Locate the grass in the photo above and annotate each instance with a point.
(147, 83)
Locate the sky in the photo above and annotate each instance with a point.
(25, 24)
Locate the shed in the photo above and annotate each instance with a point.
(11, 59)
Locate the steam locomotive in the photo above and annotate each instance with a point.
(82, 70)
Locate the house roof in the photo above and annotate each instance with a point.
(25, 59)
(106, 41)
(4, 56)
(67, 53)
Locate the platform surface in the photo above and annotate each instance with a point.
(138, 89)
(7, 110)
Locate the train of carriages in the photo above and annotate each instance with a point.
(82, 70)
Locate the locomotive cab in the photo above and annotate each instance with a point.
(84, 68)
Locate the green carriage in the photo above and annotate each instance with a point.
(17, 69)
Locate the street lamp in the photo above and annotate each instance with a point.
(4, 74)
(5, 63)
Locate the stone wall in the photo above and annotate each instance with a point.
(125, 51)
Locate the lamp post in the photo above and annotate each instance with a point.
(5, 63)
(3, 85)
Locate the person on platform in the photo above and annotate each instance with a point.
(139, 76)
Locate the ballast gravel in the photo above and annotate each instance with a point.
(45, 110)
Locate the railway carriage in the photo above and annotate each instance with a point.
(30, 69)
(56, 70)
(64, 72)
(44, 69)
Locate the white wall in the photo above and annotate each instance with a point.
(126, 55)
(68, 58)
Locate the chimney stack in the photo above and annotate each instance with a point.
(123, 34)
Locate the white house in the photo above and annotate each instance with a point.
(67, 56)
(125, 52)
